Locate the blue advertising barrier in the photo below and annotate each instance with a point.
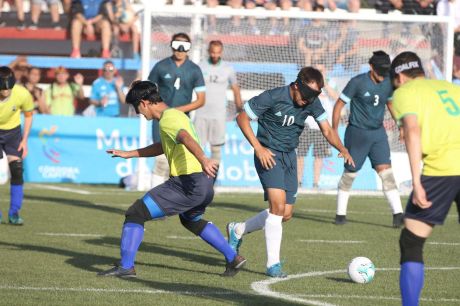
(72, 149)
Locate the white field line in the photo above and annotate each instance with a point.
(112, 205)
(71, 190)
(124, 291)
(331, 211)
(444, 243)
(69, 235)
(182, 237)
(362, 297)
(332, 241)
(263, 287)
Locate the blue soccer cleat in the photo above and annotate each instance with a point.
(276, 271)
(233, 240)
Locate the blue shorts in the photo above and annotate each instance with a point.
(441, 191)
(362, 143)
(9, 141)
(185, 194)
(282, 176)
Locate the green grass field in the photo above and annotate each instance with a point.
(68, 237)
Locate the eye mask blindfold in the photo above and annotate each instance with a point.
(307, 93)
(7, 83)
(181, 46)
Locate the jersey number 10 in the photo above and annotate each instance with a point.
(288, 120)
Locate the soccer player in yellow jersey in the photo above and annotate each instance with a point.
(429, 111)
(14, 99)
(188, 191)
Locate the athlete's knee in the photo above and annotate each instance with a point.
(411, 247)
(388, 179)
(195, 225)
(17, 170)
(137, 213)
(346, 181)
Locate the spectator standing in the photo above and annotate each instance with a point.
(20, 67)
(36, 10)
(90, 16)
(61, 95)
(210, 120)
(107, 92)
(177, 78)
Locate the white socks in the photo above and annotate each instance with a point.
(273, 235)
(342, 202)
(251, 225)
(394, 200)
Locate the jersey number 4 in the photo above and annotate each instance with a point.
(449, 104)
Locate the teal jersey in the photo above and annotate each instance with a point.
(177, 84)
(280, 119)
(367, 101)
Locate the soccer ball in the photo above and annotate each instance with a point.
(361, 270)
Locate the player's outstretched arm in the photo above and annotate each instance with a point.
(412, 138)
(209, 166)
(149, 151)
(263, 154)
(333, 138)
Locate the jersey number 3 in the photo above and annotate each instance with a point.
(376, 99)
(449, 104)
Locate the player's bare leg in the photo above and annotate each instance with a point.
(390, 189)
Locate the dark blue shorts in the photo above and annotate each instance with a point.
(185, 194)
(282, 176)
(441, 191)
(362, 143)
(10, 140)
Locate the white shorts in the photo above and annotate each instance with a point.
(210, 130)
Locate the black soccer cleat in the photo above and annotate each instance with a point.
(398, 220)
(118, 272)
(340, 219)
(232, 268)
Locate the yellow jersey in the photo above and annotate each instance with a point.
(10, 109)
(437, 107)
(181, 160)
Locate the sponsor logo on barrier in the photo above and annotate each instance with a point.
(49, 147)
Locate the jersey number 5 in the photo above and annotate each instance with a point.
(449, 104)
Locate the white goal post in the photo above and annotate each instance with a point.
(267, 48)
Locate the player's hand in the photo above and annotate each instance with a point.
(347, 157)
(266, 157)
(210, 167)
(23, 147)
(419, 197)
(78, 79)
(119, 153)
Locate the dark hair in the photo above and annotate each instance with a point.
(310, 74)
(143, 90)
(407, 63)
(107, 63)
(216, 43)
(181, 35)
(317, 7)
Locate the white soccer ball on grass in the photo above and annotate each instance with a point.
(361, 270)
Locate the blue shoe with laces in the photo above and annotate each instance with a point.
(15, 220)
(233, 239)
(276, 271)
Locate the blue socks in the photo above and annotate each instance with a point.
(16, 196)
(131, 238)
(411, 282)
(213, 236)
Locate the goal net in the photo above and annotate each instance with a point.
(267, 48)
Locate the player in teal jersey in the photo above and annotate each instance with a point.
(365, 136)
(281, 113)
